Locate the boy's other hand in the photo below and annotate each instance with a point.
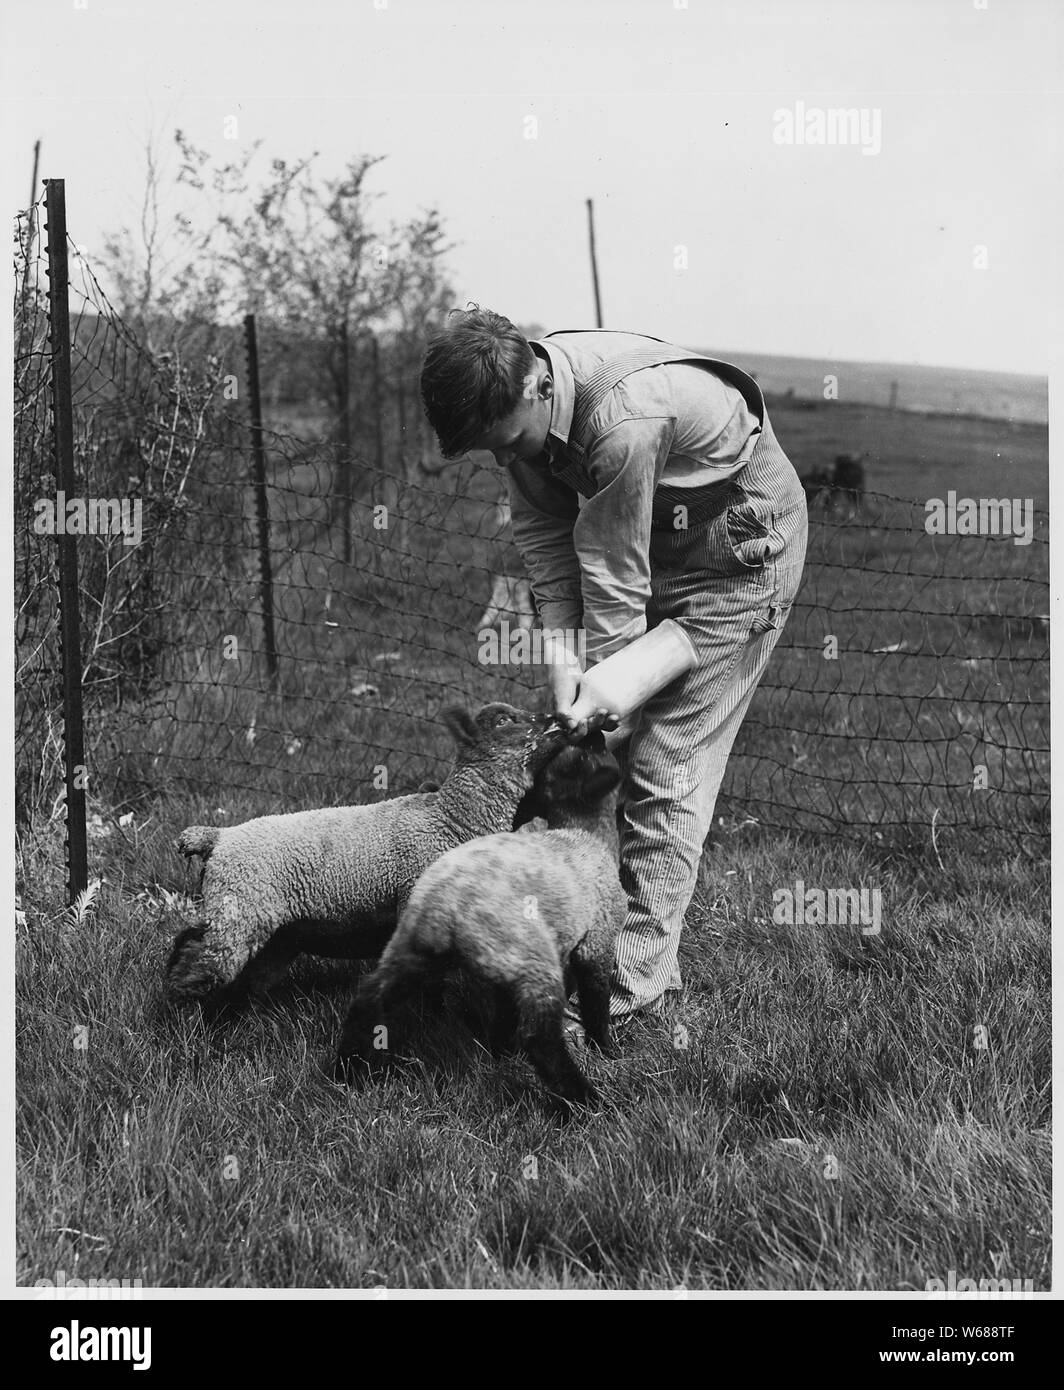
(585, 715)
(564, 675)
(577, 713)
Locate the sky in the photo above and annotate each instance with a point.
(923, 235)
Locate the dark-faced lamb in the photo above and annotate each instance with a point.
(333, 882)
(520, 914)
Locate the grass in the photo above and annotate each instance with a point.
(817, 1111)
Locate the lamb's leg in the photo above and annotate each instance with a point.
(544, 1039)
(593, 974)
(198, 971)
(365, 1016)
(208, 959)
(269, 967)
(432, 996)
(368, 1040)
(429, 979)
(504, 1021)
(190, 971)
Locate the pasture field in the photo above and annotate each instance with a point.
(942, 645)
(820, 1108)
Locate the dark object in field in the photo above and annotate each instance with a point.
(517, 913)
(849, 477)
(814, 484)
(842, 485)
(332, 882)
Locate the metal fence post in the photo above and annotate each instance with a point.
(378, 406)
(66, 487)
(346, 470)
(30, 227)
(258, 457)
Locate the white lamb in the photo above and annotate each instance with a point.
(518, 913)
(333, 881)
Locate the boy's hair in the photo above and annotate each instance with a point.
(473, 376)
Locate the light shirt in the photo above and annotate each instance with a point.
(588, 558)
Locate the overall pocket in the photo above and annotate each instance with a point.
(770, 619)
(739, 540)
(748, 531)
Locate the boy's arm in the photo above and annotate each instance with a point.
(590, 567)
(612, 533)
(542, 514)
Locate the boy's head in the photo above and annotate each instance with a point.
(484, 388)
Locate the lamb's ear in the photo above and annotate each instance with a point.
(601, 782)
(461, 725)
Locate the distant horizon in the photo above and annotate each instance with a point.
(920, 387)
(884, 362)
(715, 350)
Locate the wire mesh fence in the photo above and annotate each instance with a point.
(910, 689)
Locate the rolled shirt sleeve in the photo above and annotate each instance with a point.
(589, 565)
(543, 512)
(612, 533)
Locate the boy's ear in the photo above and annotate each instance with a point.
(461, 725)
(601, 782)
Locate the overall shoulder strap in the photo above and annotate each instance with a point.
(592, 392)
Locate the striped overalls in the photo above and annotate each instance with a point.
(726, 561)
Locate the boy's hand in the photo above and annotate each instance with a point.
(564, 675)
(585, 715)
(577, 713)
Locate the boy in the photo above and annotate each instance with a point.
(645, 483)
